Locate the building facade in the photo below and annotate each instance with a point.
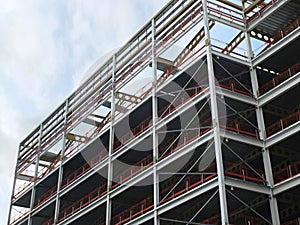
(196, 120)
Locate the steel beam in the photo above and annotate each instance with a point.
(286, 184)
(258, 188)
(279, 90)
(276, 47)
(242, 138)
(283, 134)
(236, 96)
(235, 59)
(229, 23)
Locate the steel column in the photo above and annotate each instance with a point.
(111, 145)
(60, 170)
(261, 127)
(215, 119)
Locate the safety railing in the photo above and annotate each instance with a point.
(287, 30)
(49, 222)
(241, 127)
(180, 100)
(48, 194)
(287, 172)
(261, 11)
(185, 138)
(283, 123)
(293, 222)
(293, 70)
(83, 202)
(84, 169)
(187, 184)
(147, 123)
(244, 173)
(235, 86)
(130, 135)
(188, 136)
(147, 204)
(133, 212)
(133, 170)
(225, 12)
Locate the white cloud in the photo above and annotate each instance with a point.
(45, 48)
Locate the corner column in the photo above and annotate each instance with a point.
(262, 135)
(215, 118)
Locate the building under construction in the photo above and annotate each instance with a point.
(204, 133)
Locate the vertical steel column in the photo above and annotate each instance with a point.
(13, 189)
(215, 118)
(60, 170)
(154, 131)
(261, 127)
(111, 145)
(36, 172)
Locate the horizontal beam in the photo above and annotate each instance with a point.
(286, 184)
(236, 96)
(283, 134)
(226, 22)
(241, 138)
(247, 186)
(279, 90)
(277, 47)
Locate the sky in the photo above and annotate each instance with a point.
(45, 49)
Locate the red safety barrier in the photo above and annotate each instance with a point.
(241, 127)
(283, 123)
(287, 172)
(133, 170)
(133, 212)
(280, 78)
(244, 172)
(235, 86)
(147, 123)
(48, 194)
(287, 30)
(125, 139)
(179, 101)
(186, 138)
(83, 169)
(83, 202)
(187, 184)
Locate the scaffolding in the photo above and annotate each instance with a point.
(208, 136)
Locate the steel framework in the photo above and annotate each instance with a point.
(209, 136)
